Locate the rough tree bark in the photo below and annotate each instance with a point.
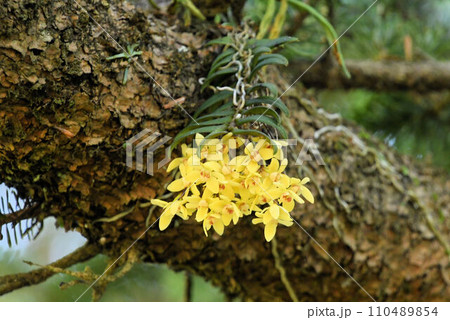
(64, 117)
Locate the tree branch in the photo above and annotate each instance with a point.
(20, 215)
(16, 281)
(421, 76)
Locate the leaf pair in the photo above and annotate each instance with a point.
(263, 109)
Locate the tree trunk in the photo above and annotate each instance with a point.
(65, 115)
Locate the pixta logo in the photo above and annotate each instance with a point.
(146, 142)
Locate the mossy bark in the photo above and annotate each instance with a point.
(64, 117)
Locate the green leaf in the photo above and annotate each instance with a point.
(271, 59)
(269, 56)
(256, 118)
(251, 132)
(279, 20)
(272, 88)
(130, 48)
(272, 101)
(218, 74)
(221, 63)
(192, 8)
(183, 135)
(271, 43)
(222, 120)
(194, 125)
(266, 20)
(214, 99)
(226, 53)
(329, 31)
(260, 50)
(125, 76)
(222, 41)
(224, 110)
(260, 110)
(266, 120)
(117, 56)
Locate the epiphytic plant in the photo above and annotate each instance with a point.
(129, 55)
(215, 183)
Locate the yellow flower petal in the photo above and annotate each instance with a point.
(289, 206)
(253, 166)
(257, 220)
(227, 191)
(159, 203)
(192, 176)
(274, 211)
(285, 181)
(173, 208)
(286, 223)
(182, 169)
(284, 216)
(226, 218)
(199, 136)
(176, 185)
(206, 227)
(269, 231)
(307, 194)
(174, 164)
(266, 152)
(195, 190)
(218, 226)
(297, 198)
(267, 218)
(273, 166)
(235, 219)
(201, 214)
(217, 205)
(165, 220)
(212, 185)
(283, 164)
(212, 166)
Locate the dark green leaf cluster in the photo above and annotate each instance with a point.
(260, 104)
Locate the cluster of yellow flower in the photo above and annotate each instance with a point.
(221, 187)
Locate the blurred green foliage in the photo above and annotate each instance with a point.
(415, 124)
(145, 282)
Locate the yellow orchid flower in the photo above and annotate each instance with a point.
(298, 187)
(201, 204)
(213, 220)
(270, 222)
(170, 210)
(228, 210)
(243, 179)
(189, 175)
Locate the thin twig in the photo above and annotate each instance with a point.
(16, 281)
(282, 271)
